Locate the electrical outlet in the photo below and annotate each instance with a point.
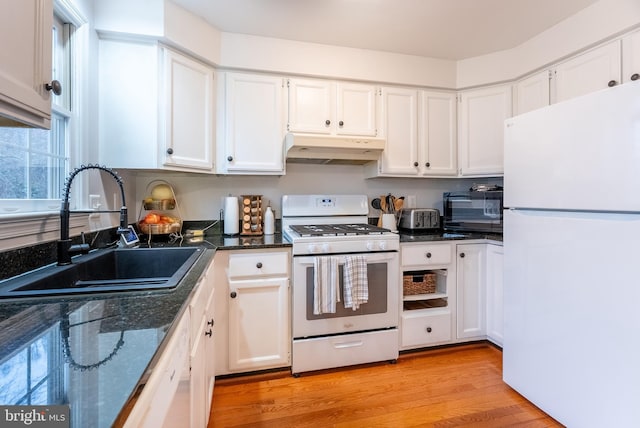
(411, 201)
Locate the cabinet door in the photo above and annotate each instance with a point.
(533, 92)
(399, 127)
(210, 352)
(592, 71)
(258, 324)
(495, 316)
(481, 130)
(199, 383)
(188, 112)
(310, 107)
(253, 124)
(471, 279)
(437, 133)
(631, 57)
(356, 109)
(25, 61)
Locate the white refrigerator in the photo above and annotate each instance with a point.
(572, 258)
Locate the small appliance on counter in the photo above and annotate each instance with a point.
(477, 210)
(419, 220)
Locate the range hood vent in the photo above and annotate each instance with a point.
(332, 150)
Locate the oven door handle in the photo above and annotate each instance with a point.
(370, 257)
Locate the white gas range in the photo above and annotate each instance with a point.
(335, 227)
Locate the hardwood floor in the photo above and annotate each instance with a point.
(448, 387)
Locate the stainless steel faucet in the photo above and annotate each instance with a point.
(65, 249)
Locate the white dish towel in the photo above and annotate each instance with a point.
(325, 285)
(356, 284)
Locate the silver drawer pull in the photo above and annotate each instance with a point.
(348, 344)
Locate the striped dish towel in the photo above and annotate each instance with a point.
(325, 285)
(356, 284)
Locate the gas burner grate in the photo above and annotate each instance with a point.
(337, 229)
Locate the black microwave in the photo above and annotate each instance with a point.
(473, 211)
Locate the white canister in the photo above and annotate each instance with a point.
(389, 222)
(231, 216)
(269, 222)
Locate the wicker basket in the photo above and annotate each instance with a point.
(418, 283)
(160, 228)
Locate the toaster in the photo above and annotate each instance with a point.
(419, 219)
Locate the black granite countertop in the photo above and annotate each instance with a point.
(90, 352)
(447, 236)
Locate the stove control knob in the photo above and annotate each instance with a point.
(382, 245)
(325, 248)
(312, 248)
(369, 246)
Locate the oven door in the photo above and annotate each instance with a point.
(381, 310)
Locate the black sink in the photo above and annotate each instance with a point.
(107, 271)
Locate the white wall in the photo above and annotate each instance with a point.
(200, 196)
(602, 20)
(281, 56)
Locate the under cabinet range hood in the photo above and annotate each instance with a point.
(323, 149)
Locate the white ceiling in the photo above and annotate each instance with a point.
(447, 29)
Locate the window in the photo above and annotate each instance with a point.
(34, 162)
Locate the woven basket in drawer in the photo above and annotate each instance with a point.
(418, 283)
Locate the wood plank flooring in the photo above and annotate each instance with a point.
(447, 387)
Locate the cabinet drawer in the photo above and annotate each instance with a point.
(426, 255)
(423, 329)
(258, 264)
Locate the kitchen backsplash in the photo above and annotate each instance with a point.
(201, 196)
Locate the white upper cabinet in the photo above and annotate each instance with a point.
(533, 92)
(356, 109)
(252, 115)
(399, 127)
(331, 108)
(482, 113)
(588, 72)
(25, 62)
(437, 143)
(156, 108)
(631, 57)
(188, 112)
(420, 132)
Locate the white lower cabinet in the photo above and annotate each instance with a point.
(466, 303)
(471, 280)
(495, 288)
(425, 328)
(179, 390)
(201, 308)
(252, 306)
(428, 310)
(163, 389)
